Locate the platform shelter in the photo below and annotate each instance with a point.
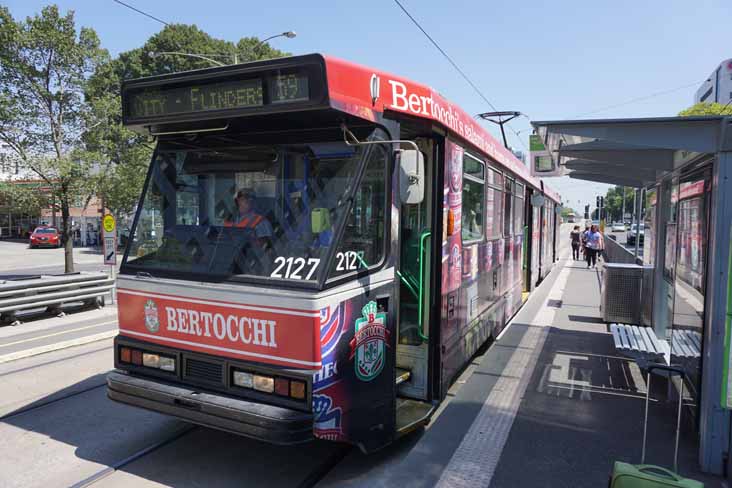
(681, 168)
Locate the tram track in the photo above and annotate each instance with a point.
(109, 470)
(31, 408)
(312, 479)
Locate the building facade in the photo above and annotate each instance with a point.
(718, 86)
(85, 216)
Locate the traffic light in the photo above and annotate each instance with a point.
(598, 202)
(587, 211)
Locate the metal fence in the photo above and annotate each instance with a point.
(34, 292)
(617, 253)
(637, 310)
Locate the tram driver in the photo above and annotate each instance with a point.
(246, 217)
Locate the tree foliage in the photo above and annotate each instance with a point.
(703, 108)
(45, 66)
(22, 199)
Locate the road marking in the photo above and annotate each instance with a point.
(57, 333)
(475, 460)
(57, 346)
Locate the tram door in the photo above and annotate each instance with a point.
(415, 273)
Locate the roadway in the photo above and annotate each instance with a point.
(621, 238)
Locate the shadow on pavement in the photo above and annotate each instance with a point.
(104, 433)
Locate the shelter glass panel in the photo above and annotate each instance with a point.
(689, 286)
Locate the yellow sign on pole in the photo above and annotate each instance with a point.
(108, 223)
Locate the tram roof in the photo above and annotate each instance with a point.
(364, 92)
(634, 152)
(360, 91)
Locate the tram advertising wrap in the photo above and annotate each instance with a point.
(318, 250)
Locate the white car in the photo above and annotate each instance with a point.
(618, 227)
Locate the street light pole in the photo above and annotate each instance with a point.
(154, 54)
(208, 57)
(288, 34)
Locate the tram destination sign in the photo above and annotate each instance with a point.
(170, 99)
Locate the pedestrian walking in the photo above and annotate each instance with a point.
(583, 241)
(593, 247)
(575, 237)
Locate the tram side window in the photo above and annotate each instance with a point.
(362, 245)
(508, 209)
(473, 198)
(519, 210)
(494, 204)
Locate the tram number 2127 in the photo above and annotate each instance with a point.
(293, 268)
(349, 260)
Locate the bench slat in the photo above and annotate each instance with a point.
(616, 336)
(646, 332)
(639, 339)
(631, 337)
(624, 336)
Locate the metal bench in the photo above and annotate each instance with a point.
(641, 343)
(51, 292)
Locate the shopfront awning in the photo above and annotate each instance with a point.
(629, 152)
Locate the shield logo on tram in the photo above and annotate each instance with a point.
(152, 323)
(369, 342)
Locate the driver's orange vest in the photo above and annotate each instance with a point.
(246, 222)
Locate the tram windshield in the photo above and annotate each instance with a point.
(226, 210)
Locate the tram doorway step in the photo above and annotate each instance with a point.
(411, 414)
(402, 375)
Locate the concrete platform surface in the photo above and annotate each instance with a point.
(551, 404)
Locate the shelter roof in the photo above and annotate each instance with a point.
(631, 152)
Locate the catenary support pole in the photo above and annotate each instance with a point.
(638, 199)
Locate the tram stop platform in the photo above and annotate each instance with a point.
(551, 403)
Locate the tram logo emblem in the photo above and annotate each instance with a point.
(369, 343)
(327, 418)
(152, 323)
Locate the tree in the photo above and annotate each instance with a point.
(45, 66)
(22, 198)
(127, 154)
(703, 108)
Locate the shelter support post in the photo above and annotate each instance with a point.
(638, 207)
(714, 421)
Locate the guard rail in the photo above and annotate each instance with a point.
(26, 293)
(616, 253)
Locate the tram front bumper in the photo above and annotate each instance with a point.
(259, 421)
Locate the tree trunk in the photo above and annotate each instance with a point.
(67, 239)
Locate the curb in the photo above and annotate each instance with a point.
(57, 346)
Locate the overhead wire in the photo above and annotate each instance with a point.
(141, 12)
(455, 65)
(638, 99)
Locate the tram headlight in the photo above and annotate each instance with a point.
(167, 364)
(151, 360)
(243, 379)
(264, 383)
(136, 357)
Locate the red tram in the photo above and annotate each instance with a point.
(318, 250)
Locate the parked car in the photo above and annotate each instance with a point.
(631, 235)
(618, 227)
(45, 237)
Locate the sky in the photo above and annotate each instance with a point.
(549, 60)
